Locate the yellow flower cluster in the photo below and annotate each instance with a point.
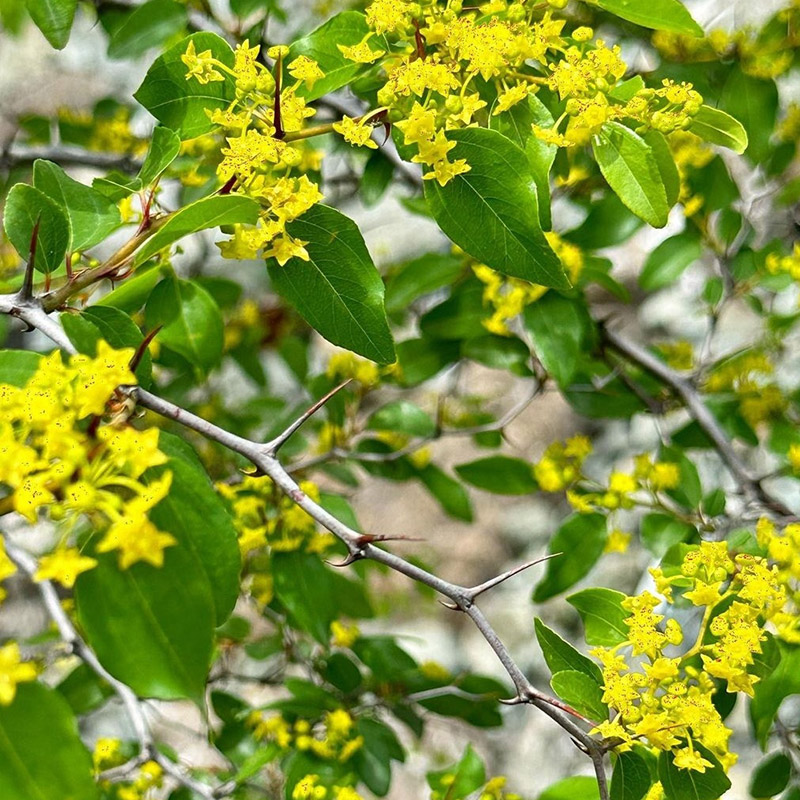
(50, 459)
(108, 753)
(746, 376)
(309, 788)
(508, 297)
(765, 53)
(665, 697)
(260, 155)
(560, 466)
(344, 365)
(777, 264)
(783, 550)
(267, 518)
(334, 738)
(690, 152)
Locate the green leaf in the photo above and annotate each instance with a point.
(419, 277)
(449, 493)
(41, 754)
(602, 614)
(346, 28)
(516, 124)
(689, 784)
(771, 775)
(132, 293)
(771, 691)
(631, 778)
(192, 321)
(54, 19)
(17, 367)
(754, 102)
(402, 416)
(561, 656)
(337, 291)
(580, 540)
(466, 777)
(87, 328)
(664, 15)
(667, 167)
(689, 492)
(607, 223)
(83, 689)
(581, 692)
(181, 104)
(116, 185)
(499, 352)
(572, 789)
(717, 127)
(25, 207)
(558, 327)
(499, 475)
(92, 216)
(151, 627)
(210, 212)
(492, 211)
(147, 26)
(659, 532)
(164, 148)
(373, 761)
(631, 169)
(669, 259)
(376, 178)
(196, 516)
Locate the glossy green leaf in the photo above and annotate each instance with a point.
(41, 754)
(337, 291)
(659, 532)
(92, 216)
(667, 262)
(191, 320)
(754, 103)
(630, 167)
(558, 326)
(181, 104)
(196, 516)
(631, 779)
(132, 294)
(580, 540)
(667, 168)
(499, 475)
(516, 124)
(86, 328)
(346, 28)
(448, 492)
(17, 367)
(663, 15)
(145, 27)
(689, 784)
(402, 416)
(492, 211)
(560, 655)
(25, 207)
(771, 691)
(164, 148)
(373, 761)
(771, 775)
(581, 692)
(461, 780)
(578, 788)
(419, 277)
(602, 614)
(376, 178)
(715, 126)
(53, 18)
(210, 212)
(151, 627)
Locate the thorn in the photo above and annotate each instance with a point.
(513, 701)
(273, 446)
(490, 584)
(276, 118)
(26, 291)
(580, 747)
(351, 559)
(142, 348)
(450, 605)
(228, 187)
(371, 538)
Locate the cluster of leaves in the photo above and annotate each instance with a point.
(188, 580)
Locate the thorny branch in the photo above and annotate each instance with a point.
(359, 546)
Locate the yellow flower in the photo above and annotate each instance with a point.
(201, 65)
(285, 248)
(361, 53)
(13, 670)
(617, 542)
(355, 132)
(344, 635)
(106, 752)
(687, 758)
(307, 70)
(64, 566)
(444, 171)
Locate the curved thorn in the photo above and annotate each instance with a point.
(512, 701)
(450, 605)
(490, 584)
